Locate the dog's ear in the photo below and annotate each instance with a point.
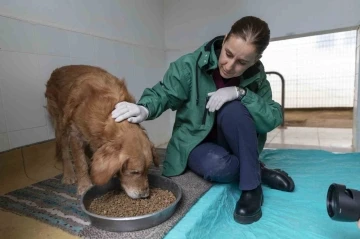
(155, 156)
(106, 162)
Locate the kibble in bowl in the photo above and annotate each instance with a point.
(109, 208)
(117, 203)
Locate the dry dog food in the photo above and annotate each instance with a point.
(117, 204)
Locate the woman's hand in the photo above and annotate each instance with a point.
(132, 112)
(220, 97)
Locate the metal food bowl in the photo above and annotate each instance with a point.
(127, 224)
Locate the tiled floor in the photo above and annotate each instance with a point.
(330, 139)
(25, 166)
(20, 168)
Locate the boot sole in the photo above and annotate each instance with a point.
(249, 219)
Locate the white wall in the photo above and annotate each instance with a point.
(126, 37)
(188, 24)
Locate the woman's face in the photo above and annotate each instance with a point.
(236, 57)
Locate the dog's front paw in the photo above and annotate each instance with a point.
(68, 179)
(83, 187)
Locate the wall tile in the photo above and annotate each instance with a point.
(27, 136)
(15, 65)
(21, 91)
(157, 129)
(4, 142)
(118, 69)
(145, 78)
(83, 61)
(17, 35)
(3, 128)
(111, 19)
(81, 45)
(51, 41)
(151, 13)
(107, 50)
(149, 57)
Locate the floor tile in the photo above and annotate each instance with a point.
(40, 161)
(339, 143)
(20, 227)
(272, 134)
(330, 139)
(12, 175)
(306, 138)
(40, 164)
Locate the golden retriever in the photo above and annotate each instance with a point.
(80, 99)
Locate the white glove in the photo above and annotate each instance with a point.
(220, 97)
(132, 112)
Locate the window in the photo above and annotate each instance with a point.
(319, 71)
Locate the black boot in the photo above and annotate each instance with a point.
(276, 179)
(248, 208)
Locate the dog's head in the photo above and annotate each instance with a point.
(129, 157)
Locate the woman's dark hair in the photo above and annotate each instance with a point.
(253, 30)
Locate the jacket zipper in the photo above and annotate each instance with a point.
(206, 112)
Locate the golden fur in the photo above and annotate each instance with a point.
(80, 99)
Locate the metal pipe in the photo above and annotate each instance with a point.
(282, 94)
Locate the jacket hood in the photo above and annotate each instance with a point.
(210, 53)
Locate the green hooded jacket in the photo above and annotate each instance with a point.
(184, 88)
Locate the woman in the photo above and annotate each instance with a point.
(224, 111)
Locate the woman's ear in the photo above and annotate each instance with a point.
(106, 162)
(256, 60)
